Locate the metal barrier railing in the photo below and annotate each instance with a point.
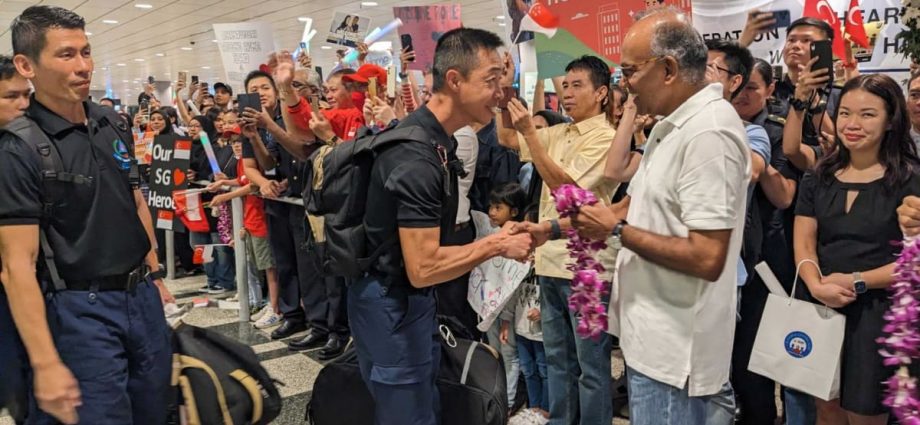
(239, 251)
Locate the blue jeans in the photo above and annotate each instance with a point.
(656, 403)
(399, 350)
(799, 407)
(578, 370)
(222, 271)
(533, 363)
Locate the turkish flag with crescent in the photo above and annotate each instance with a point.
(822, 10)
(854, 26)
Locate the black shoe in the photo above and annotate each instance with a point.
(287, 329)
(312, 340)
(334, 347)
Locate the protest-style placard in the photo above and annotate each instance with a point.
(347, 29)
(243, 47)
(426, 24)
(167, 174)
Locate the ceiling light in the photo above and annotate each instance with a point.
(88, 34)
(303, 19)
(105, 68)
(109, 21)
(138, 60)
(185, 48)
(501, 24)
(368, 3)
(120, 64)
(161, 54)
(205, 67)
(214, 41)
(143, 6)
(325, 47)
(500, 17)
(125, 81)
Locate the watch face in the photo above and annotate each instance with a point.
(860, 287)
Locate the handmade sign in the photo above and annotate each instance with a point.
(167, 175)
(426, 24)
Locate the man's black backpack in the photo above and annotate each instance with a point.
(54, 180)
(341, 197)
(221, 380)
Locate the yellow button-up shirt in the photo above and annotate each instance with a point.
(581, 150)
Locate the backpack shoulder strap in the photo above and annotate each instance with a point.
(52, 171)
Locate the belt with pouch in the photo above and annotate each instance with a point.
(120, 282)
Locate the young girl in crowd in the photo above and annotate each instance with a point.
(507, 202)
(524, 311)
(255, 236)
(846, 223)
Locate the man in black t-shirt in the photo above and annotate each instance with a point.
(413, 198)
(101, 325)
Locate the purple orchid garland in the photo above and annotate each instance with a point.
(901, 343)
(588, 288)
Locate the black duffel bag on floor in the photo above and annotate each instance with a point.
(471, 385)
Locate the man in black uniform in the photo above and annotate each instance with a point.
(412, 197)
(104, 315)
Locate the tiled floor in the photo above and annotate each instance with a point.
(297, 371)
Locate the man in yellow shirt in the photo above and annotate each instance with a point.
(578, 370)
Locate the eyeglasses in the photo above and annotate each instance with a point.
(716, 68)
(297, 85)
(630, 70)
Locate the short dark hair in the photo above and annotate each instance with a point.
(458, 49)
(812, 22)
(738, 59)
(29, 28)
(106, 99)
(512, 195)
(258, 74)
(7, 69)
(596, 68)
(349, 85)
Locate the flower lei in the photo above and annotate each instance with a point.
(225, 224)
(588, 288)
(901, 342)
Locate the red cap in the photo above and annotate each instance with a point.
(367, 71)
(233, 130)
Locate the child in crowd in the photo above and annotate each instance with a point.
(255, 235)
(524, 311)
(506, 203)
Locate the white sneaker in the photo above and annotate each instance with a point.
(261, 313)
(269, 319)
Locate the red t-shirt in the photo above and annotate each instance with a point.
(253, 208)
(345, 122)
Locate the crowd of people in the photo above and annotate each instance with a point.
(705, 162)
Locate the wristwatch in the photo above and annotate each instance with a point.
(555, 230)
(859, 285)
(157, 275)
(617, 233)
(798, 105)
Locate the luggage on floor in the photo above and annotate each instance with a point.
(471, 384)
(221, 380)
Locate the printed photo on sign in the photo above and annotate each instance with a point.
(347, 29)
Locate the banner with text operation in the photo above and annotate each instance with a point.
(725, 19)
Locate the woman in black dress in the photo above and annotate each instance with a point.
(846, 221)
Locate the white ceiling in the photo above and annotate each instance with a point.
(142, 35)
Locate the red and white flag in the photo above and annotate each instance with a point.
(165, 219)
(822, 10)
(854, 26)
(203, 254)
(540, 19)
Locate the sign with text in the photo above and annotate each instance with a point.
(243, 47)
(167, 175)
(426, 24)
(493, 282)
(347, 30)
(589, 27)
(725, 19)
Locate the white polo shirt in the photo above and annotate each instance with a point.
(675, 328)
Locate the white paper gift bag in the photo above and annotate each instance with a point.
(798, 343)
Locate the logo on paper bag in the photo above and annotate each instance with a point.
(798, 344)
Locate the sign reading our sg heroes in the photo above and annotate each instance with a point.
(170, 158)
